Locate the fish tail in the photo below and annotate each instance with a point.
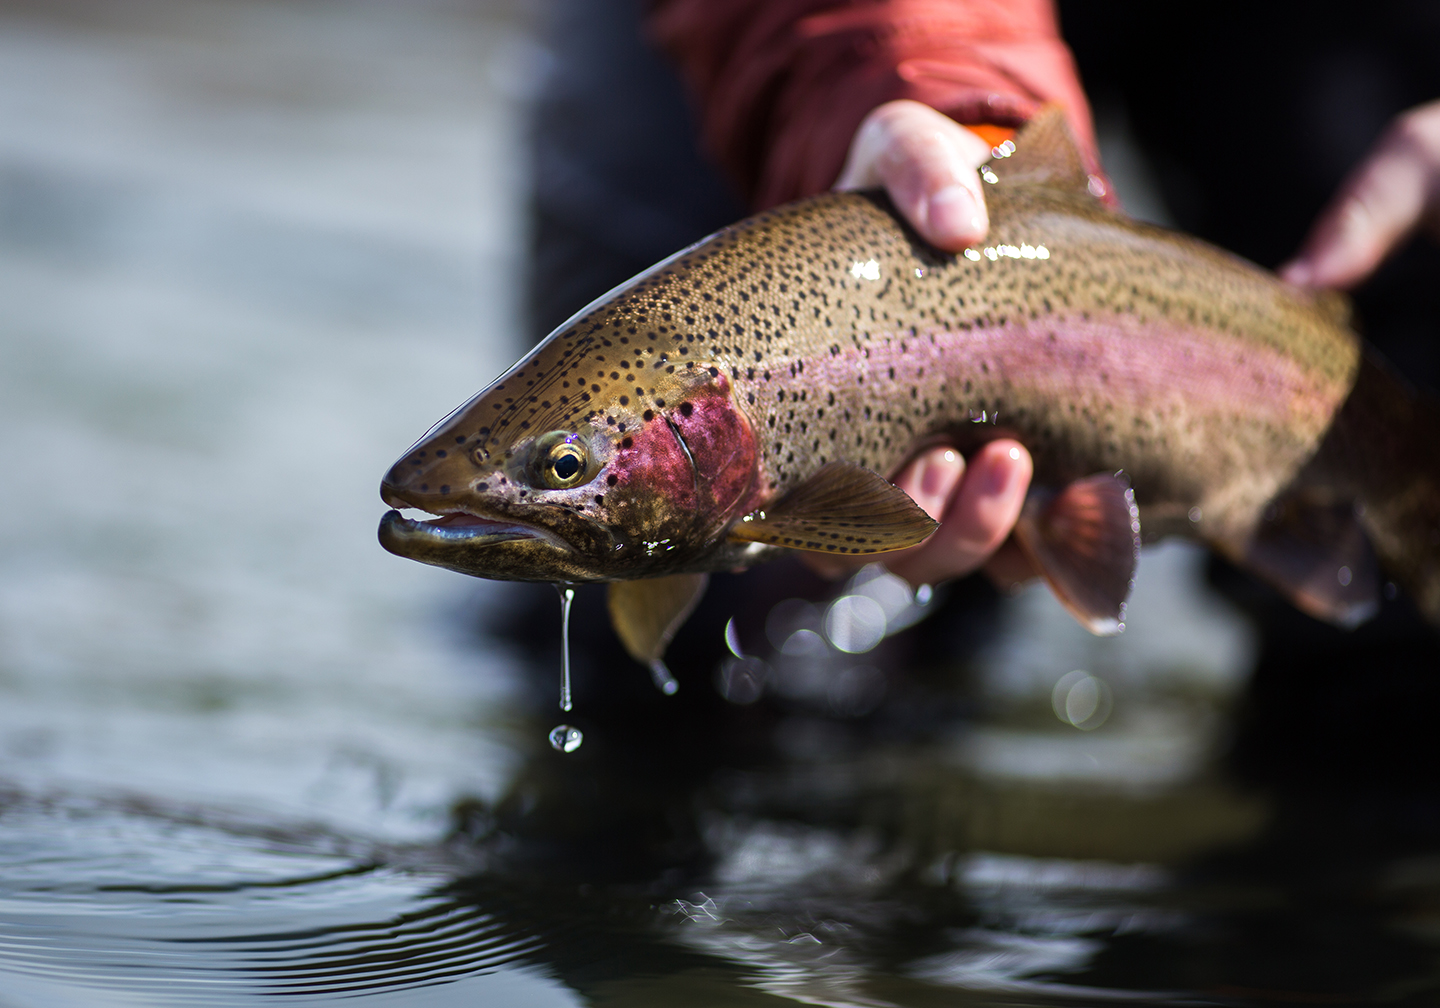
(1388, 436)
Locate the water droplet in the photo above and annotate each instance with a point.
(924, 594)
(567, 596)
(664, 681)
(1082, 700)
(564, 738)
(802, 643)
(732, 639)
(1343, 576)
(855, 623)
(1195, 515)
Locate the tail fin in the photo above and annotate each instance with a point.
(1386, 439)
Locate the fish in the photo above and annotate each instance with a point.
(752, 395)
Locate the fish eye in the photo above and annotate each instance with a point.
(560, 460)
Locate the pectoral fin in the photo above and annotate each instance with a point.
(1085, 541)
(647, 613)
(845, 509)
(1320, 558)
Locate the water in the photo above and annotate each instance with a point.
(247, 251)
(564, 738)
(567, 597)
(660, 675)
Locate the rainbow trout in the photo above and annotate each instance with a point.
(749, 395)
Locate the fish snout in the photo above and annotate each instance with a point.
(428, 478)
(389, 495)
(398, 486)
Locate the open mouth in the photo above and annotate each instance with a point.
(456, 528)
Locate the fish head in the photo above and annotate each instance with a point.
(560, 472)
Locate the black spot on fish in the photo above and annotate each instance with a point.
(445, 488)
(440, 453)
(628, 443)
(482, 487)
(686, 409)
(649, 415)
(599, 499)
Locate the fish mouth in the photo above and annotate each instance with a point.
(455, 528)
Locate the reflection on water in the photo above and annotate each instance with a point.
(248, 248)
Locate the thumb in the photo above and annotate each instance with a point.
(926, 161)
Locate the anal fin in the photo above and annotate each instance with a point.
(646, 614)
(1085, 542)
(1319, 557)
(843, 509)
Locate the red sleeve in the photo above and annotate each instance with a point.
(782, 85)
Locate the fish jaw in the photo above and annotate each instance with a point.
(481, 547)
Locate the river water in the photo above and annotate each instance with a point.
(248, 252)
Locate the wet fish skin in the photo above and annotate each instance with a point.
(826, 330)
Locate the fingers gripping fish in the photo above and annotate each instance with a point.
(750, 394)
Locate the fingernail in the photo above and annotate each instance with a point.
(952, 214)
(938, 477)
(1001, 474)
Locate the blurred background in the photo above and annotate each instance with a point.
(249, 251)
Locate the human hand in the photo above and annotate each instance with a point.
(1395, 191)
(927, 161)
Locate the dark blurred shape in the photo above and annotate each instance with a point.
(619, 179)
(1253, 113)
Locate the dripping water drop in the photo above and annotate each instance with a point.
(664, 681)
(567, 596)
(564, 738)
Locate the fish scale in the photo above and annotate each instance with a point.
(825, 338)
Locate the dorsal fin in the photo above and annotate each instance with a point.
(1045, 153)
